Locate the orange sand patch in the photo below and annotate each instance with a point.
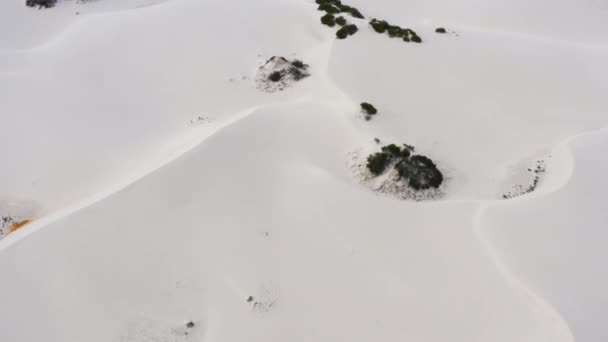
(17, 225)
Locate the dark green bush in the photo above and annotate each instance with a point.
(351, 29)
(392, 149)
(440, 30)
(341, 21)
(377, 162)
(369, 108)
(406, 38)
(419, 171)
(396, 31)
(329, 8)
(355, 13)
(416, 39)
(299, 64)
(379, 26)
(275, 76)
(329, 20)
(40, 3)
(347, 30)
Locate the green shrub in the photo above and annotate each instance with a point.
(440, 30)
(275, 76)
(416, 39)
(347, 30)
(299, 64)
(369, 108)
(406, 38)
(341, 34)
(40, 3)
(329, 8)
(341, 21)
(392, 149)
(377, 162)
(328, 20)
(396, 31)
(420, 172)
(379, 26)
(296, 74)
(356, 14)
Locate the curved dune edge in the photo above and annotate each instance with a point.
(73, 20)
(555, 186)
(183, 146)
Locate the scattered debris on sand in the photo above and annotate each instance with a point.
(535, 173)
(279, 73)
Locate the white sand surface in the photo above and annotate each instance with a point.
(164, 188)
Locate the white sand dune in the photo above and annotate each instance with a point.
(168, 189)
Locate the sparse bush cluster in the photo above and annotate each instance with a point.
(420, 172)
(336, 6)
(296, 69)
(394, 31)
(279, 73)
(40, 3)
(333, 7)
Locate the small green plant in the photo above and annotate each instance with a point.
(392, 149)
(379, 26)
(416, 39)
(347, 30)
(299, 64)
(440, 30)
(356, 13)
(341, 21)
(329, 20)
(329, 8)
(275, 76)
(40, 3)
(368, 108)
(377, 162)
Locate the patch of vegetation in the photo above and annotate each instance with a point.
(329, 8)
(355, 13)
(419, 171)
(341, 21)
(347, 30)
(275, 76)
(328, 20)
(297, 73)
(440, 30)
(41, 3)
(377, 162)
(394, 31)
(369, 108)
(299, 64)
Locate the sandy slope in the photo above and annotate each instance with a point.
(558, 252)
(255, 199)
